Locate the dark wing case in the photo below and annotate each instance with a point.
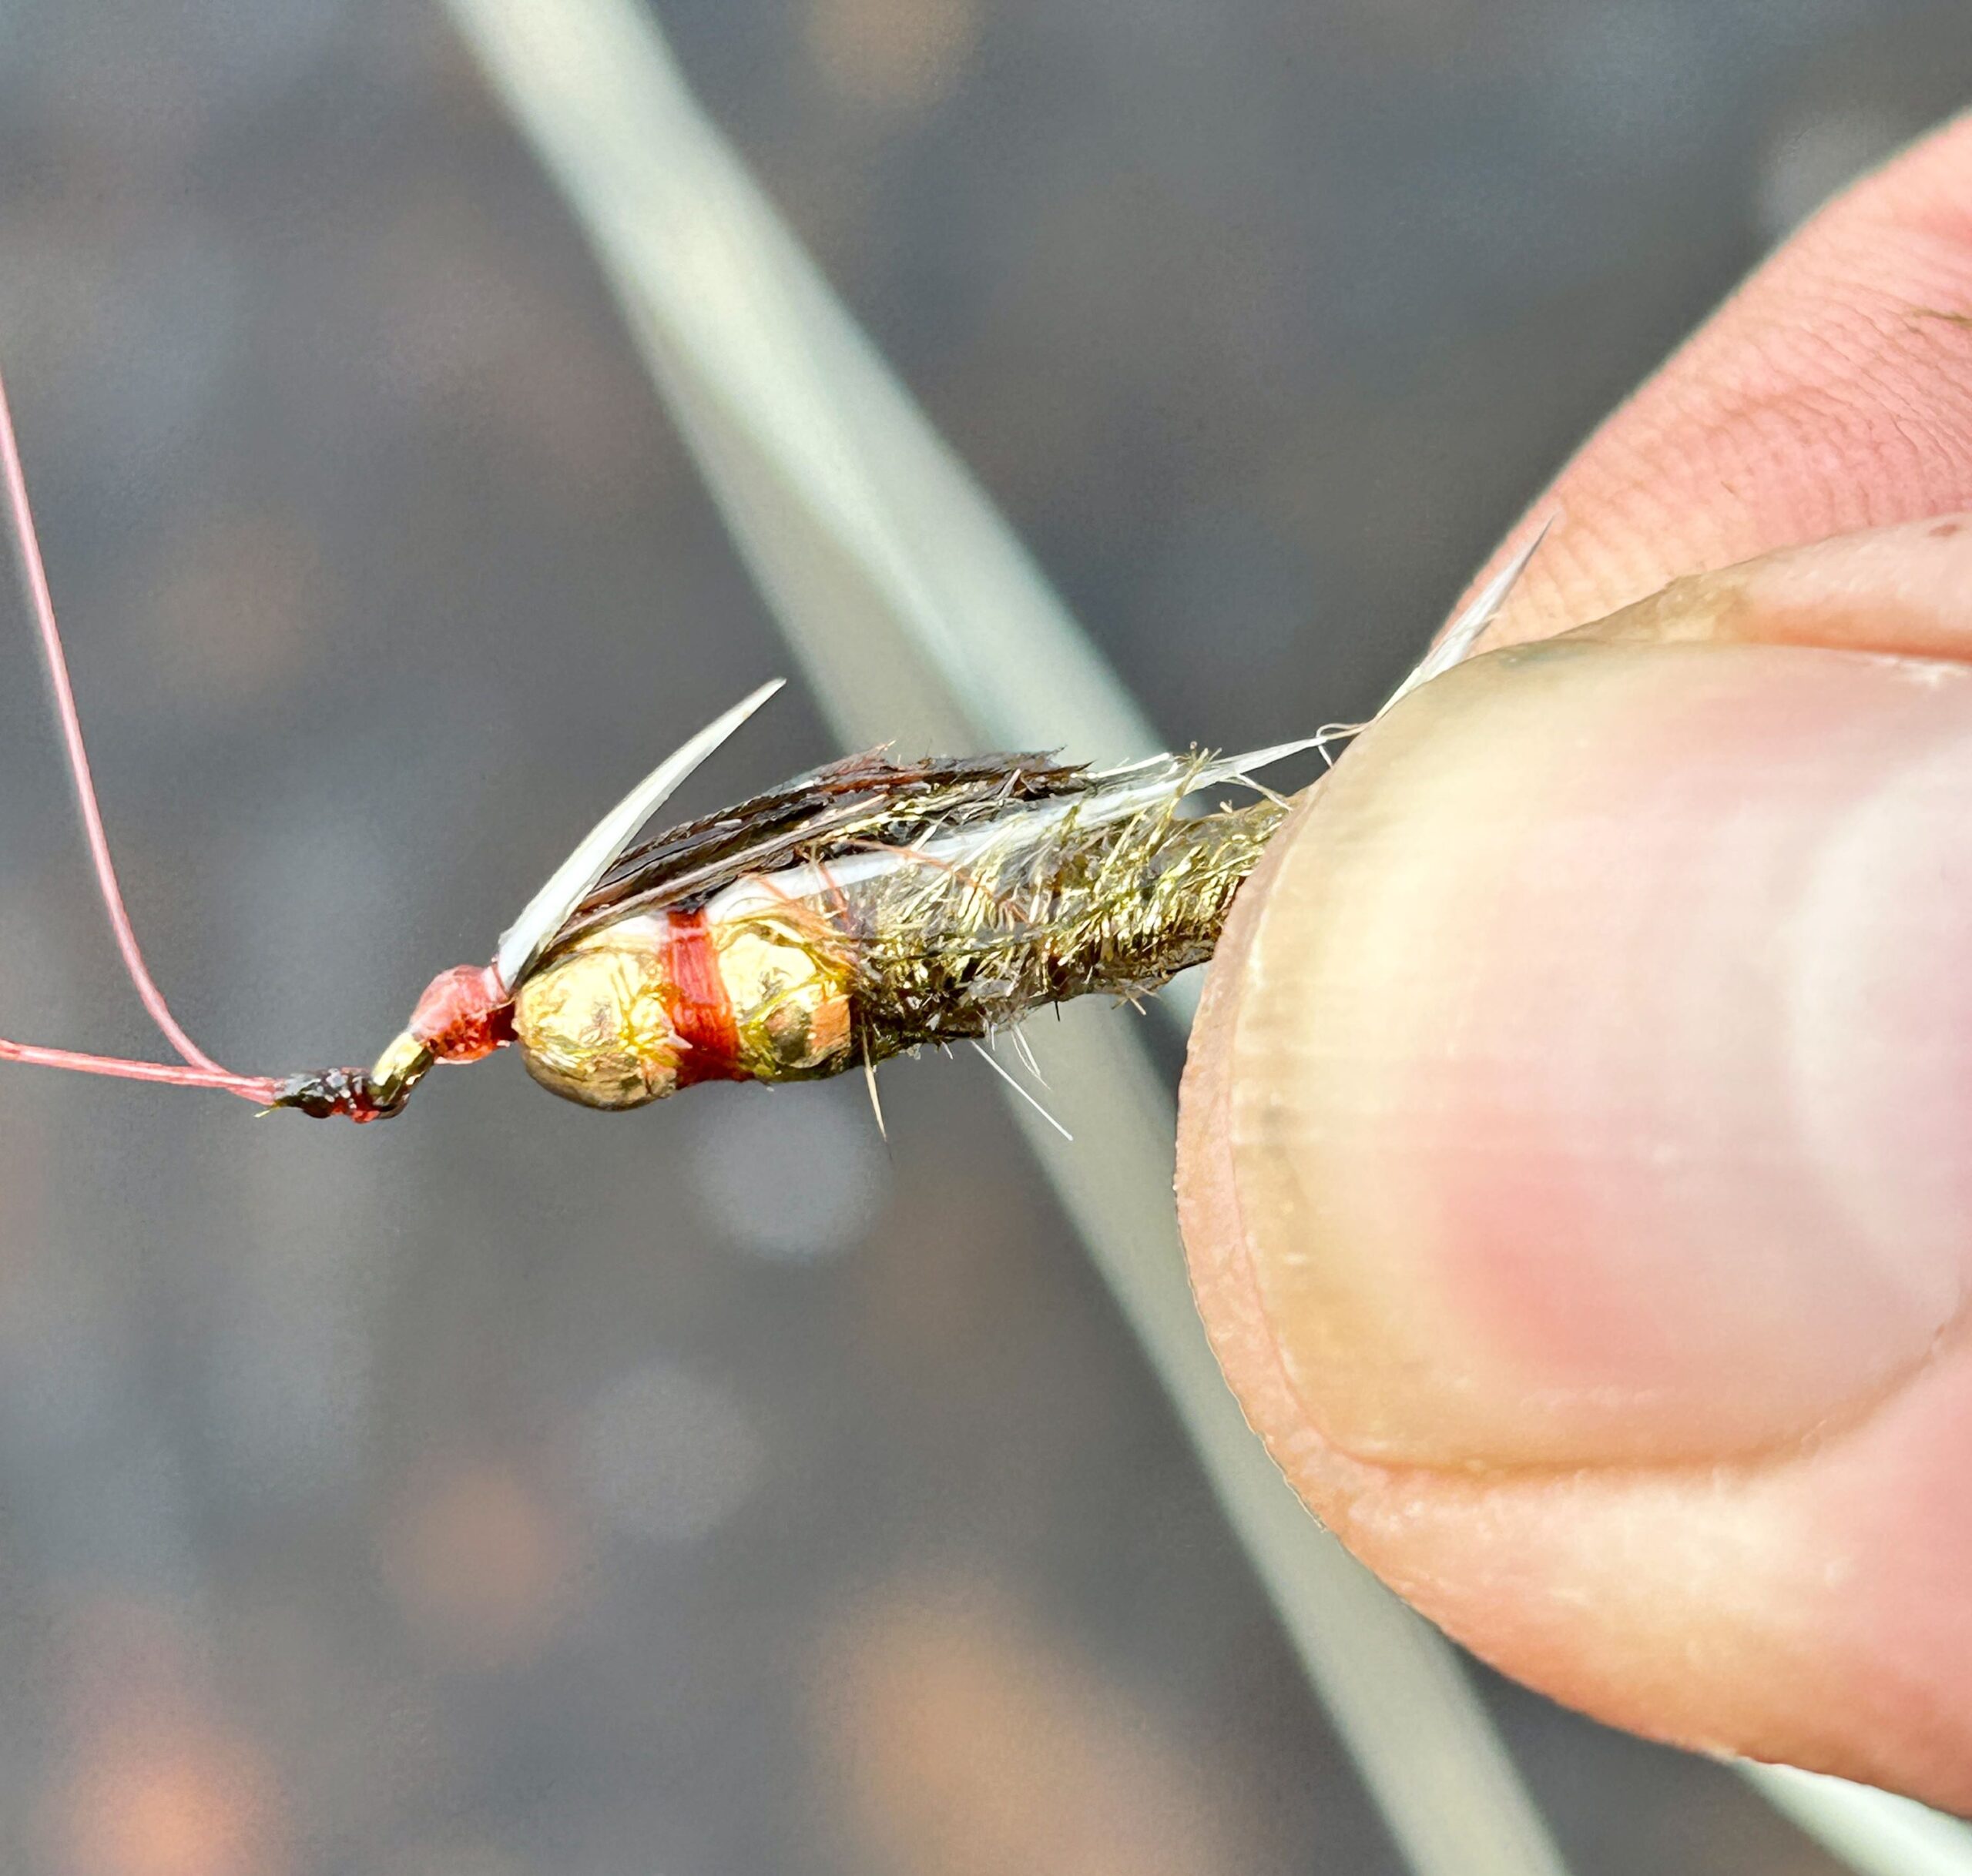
(849, 806)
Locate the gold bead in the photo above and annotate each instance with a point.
(595, 1026)
(789, 991)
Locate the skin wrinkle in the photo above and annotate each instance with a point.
(1717, 400)
(1746, 1634)
(1745, 1463)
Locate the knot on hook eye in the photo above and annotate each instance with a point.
(346, 1091)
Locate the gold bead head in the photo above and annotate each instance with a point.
(595, 1026)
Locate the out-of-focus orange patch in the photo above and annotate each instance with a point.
(956, 1736)
(170, 1801)
(480, 1563)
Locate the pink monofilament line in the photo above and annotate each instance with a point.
(258, 1089)
(203, 1071)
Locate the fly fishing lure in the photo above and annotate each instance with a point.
(855, 913)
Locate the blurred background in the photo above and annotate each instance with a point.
(714, 1491)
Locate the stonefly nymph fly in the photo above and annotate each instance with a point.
(853, 914)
